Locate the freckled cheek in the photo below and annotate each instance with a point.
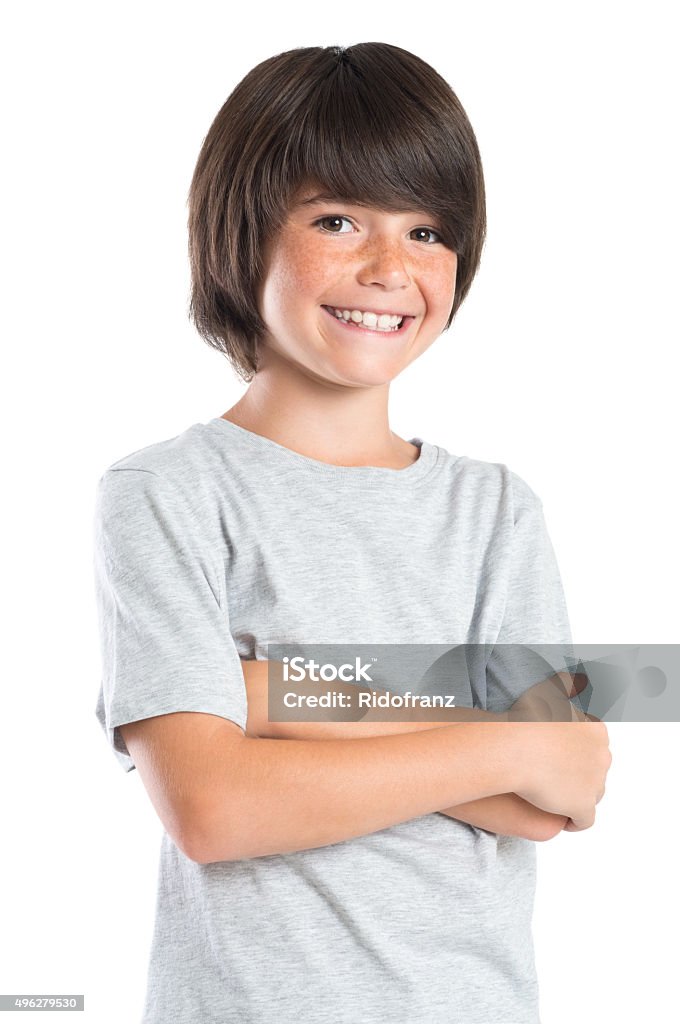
(297, 275)
(441, 287)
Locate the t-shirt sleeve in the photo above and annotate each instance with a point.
(534, 640)
(163, 622)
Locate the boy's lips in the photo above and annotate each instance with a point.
(350, 325)
(371, 309)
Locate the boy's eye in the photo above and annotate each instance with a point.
(429, 231)
(336, 219)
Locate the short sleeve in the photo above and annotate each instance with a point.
(164, 629)
(534, 640)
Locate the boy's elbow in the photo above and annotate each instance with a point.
(217, 828)
(212, 838)
(547, 827)
(200, 856)
(196, 846)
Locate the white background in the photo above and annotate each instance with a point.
(559, 364)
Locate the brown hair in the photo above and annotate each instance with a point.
(372, 124)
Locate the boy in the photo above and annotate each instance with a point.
(336, 223)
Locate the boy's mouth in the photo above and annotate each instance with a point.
(371, 323)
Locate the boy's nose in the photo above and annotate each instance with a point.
(384, 264)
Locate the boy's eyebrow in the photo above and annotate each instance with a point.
(321, 197)
(330, 197)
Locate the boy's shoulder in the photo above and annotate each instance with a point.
(492, 480)
(165, 475)
(171, 459)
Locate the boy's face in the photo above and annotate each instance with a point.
(333, 255)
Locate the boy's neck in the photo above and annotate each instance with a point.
(350, 429)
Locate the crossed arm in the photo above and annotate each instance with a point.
(505, 814)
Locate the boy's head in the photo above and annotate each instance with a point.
(372, 125)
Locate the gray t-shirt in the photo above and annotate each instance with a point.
(211, 545)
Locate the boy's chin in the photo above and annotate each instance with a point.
(360, 373)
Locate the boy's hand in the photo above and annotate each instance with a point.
(548, 701)
(562, 770)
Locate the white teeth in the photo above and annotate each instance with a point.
(374, 321)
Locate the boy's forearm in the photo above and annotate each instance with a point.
(505, 813)
(271, 797)
(508, 814)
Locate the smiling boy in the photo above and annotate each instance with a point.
(364, 263)
(336, 223)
